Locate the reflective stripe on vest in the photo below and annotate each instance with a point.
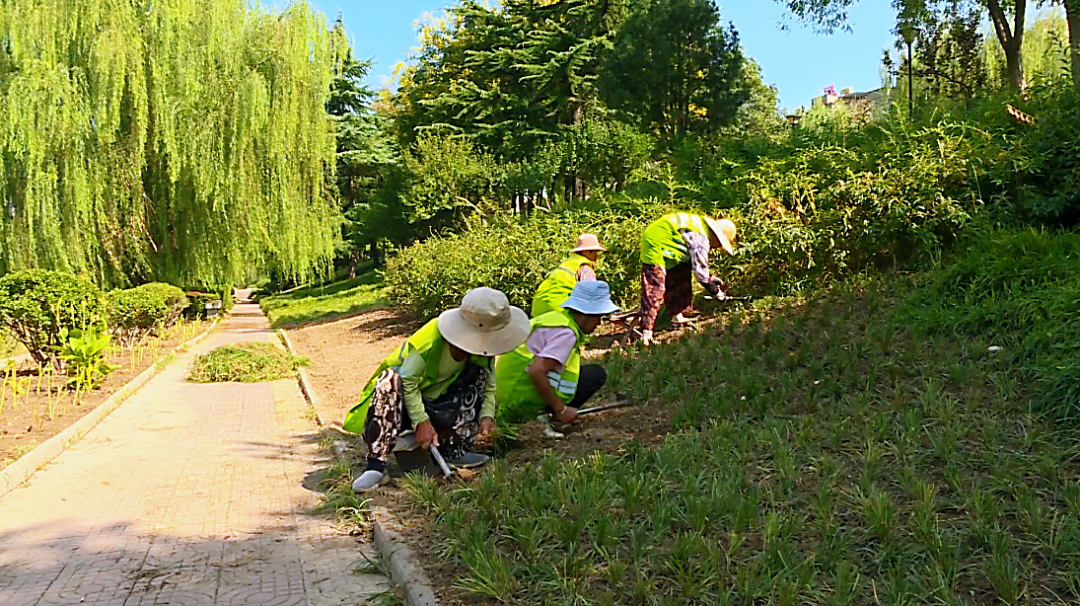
(517, 396)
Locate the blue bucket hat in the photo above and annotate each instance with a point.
(591, 299)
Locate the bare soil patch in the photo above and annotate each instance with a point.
(344, 353)
(25, 420)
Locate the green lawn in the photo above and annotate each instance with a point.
(312, 304)
(863, 447)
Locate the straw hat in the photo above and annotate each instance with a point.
(588, 242)
(485, 324)
(724, 230)
(592, 298)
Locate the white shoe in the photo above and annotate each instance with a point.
(369, 480)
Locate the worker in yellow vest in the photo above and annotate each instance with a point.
(673, 248)
(580, 267)
(545, 372)
(440, 383)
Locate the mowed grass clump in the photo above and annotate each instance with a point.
(245, 363)
(825, 452)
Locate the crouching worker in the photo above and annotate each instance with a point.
(545, 373)
(579, 267)
(440, 383)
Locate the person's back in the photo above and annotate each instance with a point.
(579, 267)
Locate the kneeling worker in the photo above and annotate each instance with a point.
(545, 373)
(440, 381)
(580, 267)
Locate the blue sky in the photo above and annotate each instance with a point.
(799, 61)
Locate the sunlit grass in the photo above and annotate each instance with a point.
(340, 298)
(829, 451)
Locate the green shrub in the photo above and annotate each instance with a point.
(136, 312)
(196, 308)
(36, 304)
(515, 257)
(83, 353)
(245, 363)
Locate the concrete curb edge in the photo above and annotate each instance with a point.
(401, 562)
(19, 472)
(305, 380)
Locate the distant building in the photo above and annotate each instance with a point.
(874, 99)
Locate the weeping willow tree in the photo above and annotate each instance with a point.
(179, 140)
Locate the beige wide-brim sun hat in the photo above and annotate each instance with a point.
(587, 242)
(724, 229)
(485, 324)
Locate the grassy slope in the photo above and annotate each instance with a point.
(862, 447)
(312, 304)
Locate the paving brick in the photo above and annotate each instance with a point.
(186, 495)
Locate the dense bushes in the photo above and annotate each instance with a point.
(36, 304)
(514, 257)
(135, 312)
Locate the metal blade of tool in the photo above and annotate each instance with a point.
(442, 462)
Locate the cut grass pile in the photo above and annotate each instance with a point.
(830, 451)
(313, 304)
(245, 363)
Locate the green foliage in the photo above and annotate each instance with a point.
(136, 312)
(83, 355)
(445, 174)
(35, 305)
(515, 256)
(822, 453)
(251, 362)
(197, 300)
(674, 68)
(318, 303)
(183, 140)
(1019, 291)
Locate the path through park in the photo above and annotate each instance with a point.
(186, 495)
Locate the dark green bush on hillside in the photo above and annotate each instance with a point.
(36, 304)
(515, 257)
(136, 312)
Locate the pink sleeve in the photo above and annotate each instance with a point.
(553, 343)
(585, 273)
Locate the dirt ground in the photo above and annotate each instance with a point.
(25, 422)
(344, 353)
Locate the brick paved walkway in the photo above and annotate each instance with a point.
(186, 495)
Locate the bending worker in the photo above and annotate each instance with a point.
(579, 267)
(439, 383)
(673, 248)
(545, 373)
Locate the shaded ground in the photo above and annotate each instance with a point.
(187, 494)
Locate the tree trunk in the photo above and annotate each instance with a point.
(1072, 16)
(1011, 38)
(354, 260)
(376, 254)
